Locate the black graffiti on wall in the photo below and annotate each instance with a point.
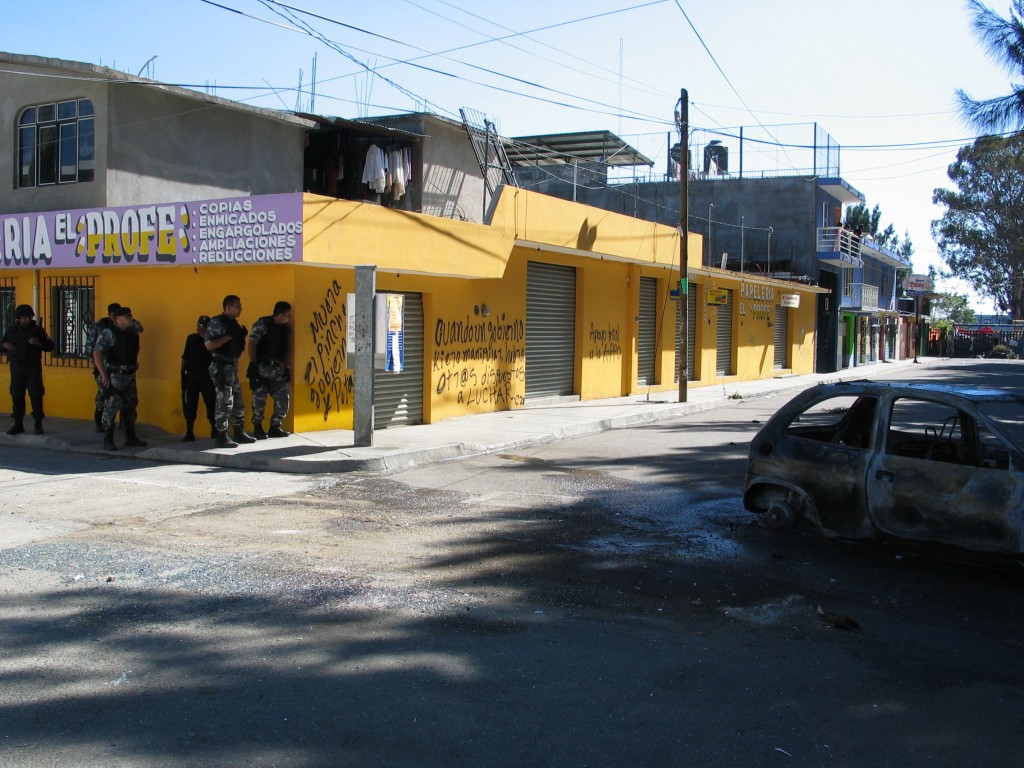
(330, 381)
(483, 362)
(604, 342)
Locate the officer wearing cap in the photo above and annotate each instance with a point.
(24, 342)
(269, 345)
(225, 338)
(116, 357)
(196, 381)
(93, 333)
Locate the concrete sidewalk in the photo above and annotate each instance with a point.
(333, 450)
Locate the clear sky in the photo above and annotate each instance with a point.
(878, 75)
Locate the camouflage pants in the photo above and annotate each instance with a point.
(230, 405)
(272, 382)
(101, 393)
(122, 396)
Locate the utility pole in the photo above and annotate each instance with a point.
(684, 218)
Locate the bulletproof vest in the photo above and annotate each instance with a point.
(96, 329)
(232, 349)
(274, 344)
(125, 350)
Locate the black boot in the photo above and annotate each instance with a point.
(190, 435)
(223, 441)
(131, 440)
(17, 429)
(276, 431)
(241, 437)
(257, 432)
(108, 440)
(38, 429)
(98, 418)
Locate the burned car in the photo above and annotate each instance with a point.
(926, 463)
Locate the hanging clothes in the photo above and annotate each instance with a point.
(375, 169)
(396, 169)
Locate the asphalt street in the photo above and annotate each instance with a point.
(602, 600)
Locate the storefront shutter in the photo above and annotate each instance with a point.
(781, 330)
(550, 329)
(647, 330)
(398, 397)
(723, 362)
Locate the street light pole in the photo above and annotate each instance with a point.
(743, 234)
(684, 253)
(707, 250)
(768, 271)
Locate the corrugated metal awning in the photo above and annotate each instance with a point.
(600, 146)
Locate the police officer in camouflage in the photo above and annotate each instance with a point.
(90, 344)
(225, 339)
(116, 357)
(268, 372)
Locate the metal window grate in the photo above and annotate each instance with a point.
(71, 313)
(7, 301)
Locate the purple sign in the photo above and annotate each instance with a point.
(263, 229)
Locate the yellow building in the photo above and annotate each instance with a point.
(548, 299)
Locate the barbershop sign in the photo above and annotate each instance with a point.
(262, 229)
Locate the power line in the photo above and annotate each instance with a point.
(722, 72)
(646, 89)
(306, 29)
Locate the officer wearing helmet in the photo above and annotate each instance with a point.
(24, 342)
(196, 381)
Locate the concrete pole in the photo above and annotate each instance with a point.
(684, 251)
(362, 410)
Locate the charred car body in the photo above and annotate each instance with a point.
(925, 463)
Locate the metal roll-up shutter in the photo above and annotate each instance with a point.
(691, 335)
(723, 362)
(550, 329)
(781, 331)
(646, 338)
(398, 397)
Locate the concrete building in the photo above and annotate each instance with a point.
(166, 200)
(759, 217)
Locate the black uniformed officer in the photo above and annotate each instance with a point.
(196, 381)
(24, 342)
(268, 372)
(225, 339)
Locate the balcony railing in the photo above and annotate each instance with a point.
(840, 247)
(861, 295)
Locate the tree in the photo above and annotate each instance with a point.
(1003, 40)
(954, 307)
(981, 234)
(858, 217)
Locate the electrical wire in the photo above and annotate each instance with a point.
(303, 28)
(722, 72)
(645, 89)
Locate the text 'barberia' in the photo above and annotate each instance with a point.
(136, 234)
(219, 231)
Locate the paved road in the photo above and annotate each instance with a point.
(600, 601)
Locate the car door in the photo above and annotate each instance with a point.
(824, 451)
(940, 475)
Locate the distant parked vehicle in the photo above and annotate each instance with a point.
(926, 463)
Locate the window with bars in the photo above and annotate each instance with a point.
(6, 302)
(56, 143)
(71, 314)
